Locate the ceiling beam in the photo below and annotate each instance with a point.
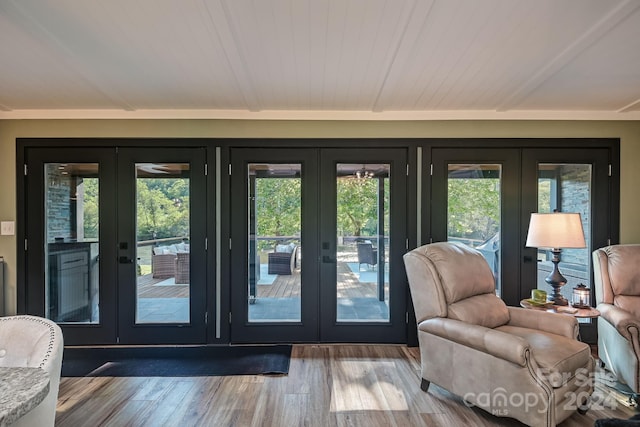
(588, 38)
(630, 107)
(227, 35)
(399, 43)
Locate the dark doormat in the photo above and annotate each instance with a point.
(176, 361)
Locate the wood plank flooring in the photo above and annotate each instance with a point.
(327, 385)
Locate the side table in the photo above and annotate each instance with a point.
(583, 313)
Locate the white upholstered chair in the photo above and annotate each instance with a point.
(509, 361)
(29, 341)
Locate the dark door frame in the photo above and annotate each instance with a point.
(243, 331)
(31, 263)
(395, 330)
(606, 179)
(33, 297)
(130, 332)
(509, 159)
(218, 216)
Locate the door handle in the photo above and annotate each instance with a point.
(125, 260)
(328, 260)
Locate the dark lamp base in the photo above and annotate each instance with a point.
(558, 300)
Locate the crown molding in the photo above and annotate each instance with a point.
(201, 114)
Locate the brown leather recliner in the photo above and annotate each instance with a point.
(616, 271)
(509, 361)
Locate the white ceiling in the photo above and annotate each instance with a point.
(342, 59)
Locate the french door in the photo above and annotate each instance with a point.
(317, 238)
(475, 202)
(115, 243)
(484, 198)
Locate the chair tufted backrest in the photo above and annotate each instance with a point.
(31, 341)
(449, 279)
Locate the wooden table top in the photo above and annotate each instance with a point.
(585, 313)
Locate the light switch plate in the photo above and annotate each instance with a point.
(7, 228)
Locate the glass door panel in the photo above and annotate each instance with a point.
(300, 219)
(362, 217)
(162, 243)
(363, 236)
(162, 272)
(566, 180)
(274, 277)
(274, 255)
(72, 281)
(565, 187)
(475, 193)
(70, 271)
(474, 210)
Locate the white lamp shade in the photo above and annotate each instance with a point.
(555, 230)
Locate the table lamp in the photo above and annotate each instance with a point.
(555, 231)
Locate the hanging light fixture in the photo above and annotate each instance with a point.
(363, 173)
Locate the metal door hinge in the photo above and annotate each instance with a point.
(206, 317)
(406, 244)
(608, 242)
(206, 243)
(431, 169)
(25, 170)
(25, 245)
(406, 317)
(206, 169)
(407, 170)
(229, 317)
(229, 169)
(610, 171)
(229, 243)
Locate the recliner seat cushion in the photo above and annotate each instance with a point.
(630, 303)
(558, 356)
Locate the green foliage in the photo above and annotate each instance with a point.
(162, 207)
(357, 205)
(91, 222)
(544, 195)
(278, 207)
(473, 208)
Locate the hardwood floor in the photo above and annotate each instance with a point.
(327, 385)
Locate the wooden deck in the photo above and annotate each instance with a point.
(282, 287)
(147, 288)
(348, 286)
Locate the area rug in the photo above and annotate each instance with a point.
(265, 277)
(176, 361)
(171, 281)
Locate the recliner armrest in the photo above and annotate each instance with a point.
(625, 323)
(555, 323)
(497, 343)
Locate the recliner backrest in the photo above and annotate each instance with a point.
(617, 276)
(452, 280)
